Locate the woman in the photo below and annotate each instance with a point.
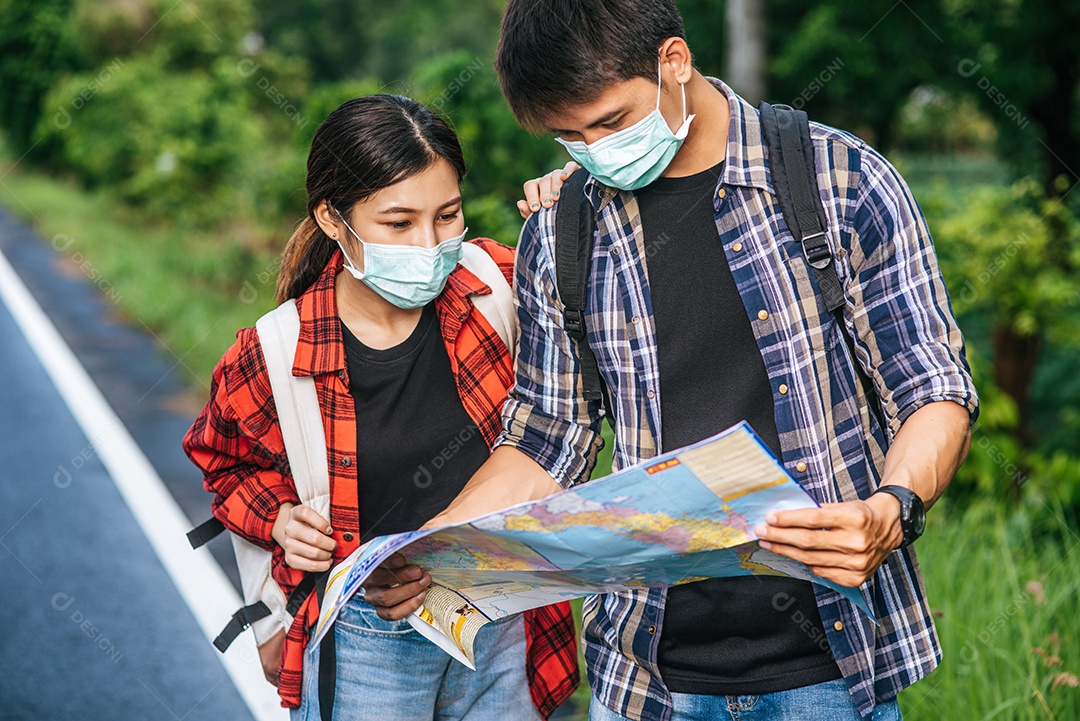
(405, 368)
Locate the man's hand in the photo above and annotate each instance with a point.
(305, 536)
(841, 542)
(396, 589)
(270, 656)
(544, 191)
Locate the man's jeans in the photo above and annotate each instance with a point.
(388, 671)
(827, 701)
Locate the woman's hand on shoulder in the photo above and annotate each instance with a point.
(305, 536)
(544, 191)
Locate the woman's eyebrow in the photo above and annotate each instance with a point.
(399, 210)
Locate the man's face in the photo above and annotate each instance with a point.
(619, 106)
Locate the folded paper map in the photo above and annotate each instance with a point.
(683, 516)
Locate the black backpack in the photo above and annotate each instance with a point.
(791, 159)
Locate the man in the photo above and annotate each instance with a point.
(703, 312)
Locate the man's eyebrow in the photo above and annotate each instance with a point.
(603, 120)
(399, 210)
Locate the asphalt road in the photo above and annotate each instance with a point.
(94, 624)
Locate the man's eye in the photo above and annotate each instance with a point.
(612, 125)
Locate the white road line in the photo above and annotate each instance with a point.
(200, 580)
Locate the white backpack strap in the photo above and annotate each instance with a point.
(305, 444)
(497, 307)
(297, 407)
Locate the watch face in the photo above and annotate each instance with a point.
(918, 521)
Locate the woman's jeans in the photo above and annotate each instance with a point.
(388, 671)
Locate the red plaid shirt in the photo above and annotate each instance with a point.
(237, 443)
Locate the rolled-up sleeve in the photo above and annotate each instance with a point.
(249, 482)
(907, 336)
(546, 416)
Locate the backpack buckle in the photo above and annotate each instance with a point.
(817, 254)
(574, 322)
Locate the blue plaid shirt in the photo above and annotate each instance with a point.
(906, 340)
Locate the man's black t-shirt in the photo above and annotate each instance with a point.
(720, 636)
(416, 445)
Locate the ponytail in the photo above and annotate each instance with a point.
(303, 260)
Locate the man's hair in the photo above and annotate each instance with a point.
(555, 54)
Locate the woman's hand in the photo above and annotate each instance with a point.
(543, 192)
(305, 536)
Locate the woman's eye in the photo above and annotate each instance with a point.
(400, 224)
(449, 216)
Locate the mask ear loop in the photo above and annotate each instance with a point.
(659, 87)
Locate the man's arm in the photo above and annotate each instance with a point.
(847, 542)
(908, 342)
(509, 477)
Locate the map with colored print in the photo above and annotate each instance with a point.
(684, 516)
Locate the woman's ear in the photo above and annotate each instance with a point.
(328, 219)
(676, 53)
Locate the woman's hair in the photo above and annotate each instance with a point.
(365, 145)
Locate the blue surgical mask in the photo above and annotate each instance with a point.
(407, 276)
(635, 156)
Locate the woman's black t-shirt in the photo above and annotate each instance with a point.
(416, 445)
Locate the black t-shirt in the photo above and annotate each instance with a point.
(720, 636)
(416, 445)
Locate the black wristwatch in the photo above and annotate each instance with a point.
(912, 511)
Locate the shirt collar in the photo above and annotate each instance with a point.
(321, 348)
(745, 162)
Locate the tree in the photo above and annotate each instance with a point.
(744, 66)
(35, 49)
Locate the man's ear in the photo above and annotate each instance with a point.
(676, 54)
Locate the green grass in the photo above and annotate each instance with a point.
(193, 289)
(1009, 610)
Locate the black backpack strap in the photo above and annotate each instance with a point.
(241, 620)
(794, 175)
(327, 686)
(791, 160)
(575, 226)
(248, 615)
(202, 533)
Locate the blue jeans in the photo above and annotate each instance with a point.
(829, 701)
(388, 671)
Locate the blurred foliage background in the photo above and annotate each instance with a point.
(167, 140)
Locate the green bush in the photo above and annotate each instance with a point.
(175, 144)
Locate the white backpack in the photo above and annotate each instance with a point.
(266, 608)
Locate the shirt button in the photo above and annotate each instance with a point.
(722, 193)
(652, 630)
(650, 393)
(346, 461)
(636, 319)
(615, 250)
(341, 375)
(736, 248)
(800, 467)
(839, 625)
(763, 315)
(346, 536)
(783, 389)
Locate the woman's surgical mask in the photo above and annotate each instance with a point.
(407, 276)
(635, 156)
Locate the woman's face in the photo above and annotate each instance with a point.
(423, 210)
